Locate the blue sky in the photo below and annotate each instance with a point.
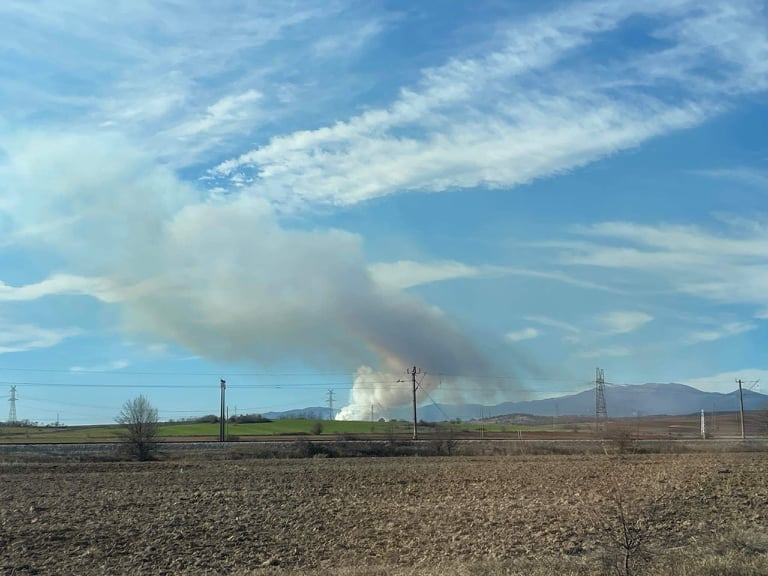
(299, 197)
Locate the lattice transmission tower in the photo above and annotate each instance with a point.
(12, 413)
(330, 404)
(601, 413)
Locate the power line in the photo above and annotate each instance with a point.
(308, 374)
(371, 384)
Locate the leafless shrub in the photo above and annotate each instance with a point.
(627, 532)
(444, 445)
(139, 418)
(621, 439)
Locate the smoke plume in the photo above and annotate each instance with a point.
(223, 277)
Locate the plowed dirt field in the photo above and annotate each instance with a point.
(353, 515)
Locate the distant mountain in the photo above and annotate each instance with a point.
(621, 402)
(311, 413)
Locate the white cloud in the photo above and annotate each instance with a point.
(60, 284)
(108, 367)
(725, 382)
(624, 321)
(725, 331)
(524, 334)
(189, 81)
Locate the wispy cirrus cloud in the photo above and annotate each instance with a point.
(514, 115)
(524, 334)
(729, 265)
(224, 116)
(26, 337)
(742, 174)
(725, 331)
(554, 323)
(189, 82)
(409, 273)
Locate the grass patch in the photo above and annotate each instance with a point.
(287, 427)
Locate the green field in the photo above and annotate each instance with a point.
(74, 434)
(287, 427)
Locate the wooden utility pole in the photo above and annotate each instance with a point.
(741, 409)
(413, 380)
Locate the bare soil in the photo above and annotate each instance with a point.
(366, 515)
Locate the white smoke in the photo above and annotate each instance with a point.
(375, 391)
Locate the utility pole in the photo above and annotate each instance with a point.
(330, 404)
(222, 418)
(741, 409)
(413, 380)
(12, 413)
(601, 413)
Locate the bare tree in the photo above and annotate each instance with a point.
(140, 420)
